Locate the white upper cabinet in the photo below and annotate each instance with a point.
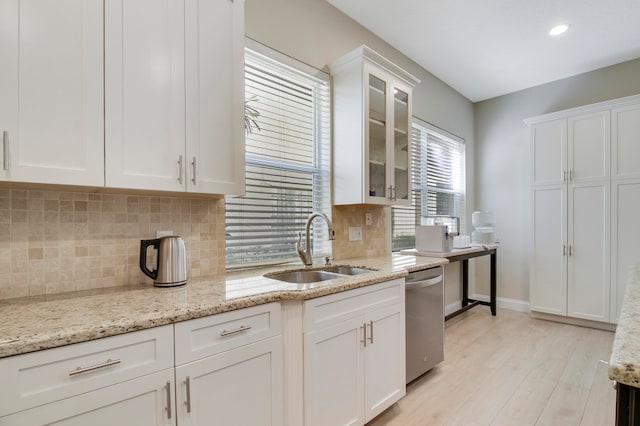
(144, 94)
(625, 134)
(549, 152)
(51, 91)
(214, 54)
(372, 130)
(174, 95)
(589, 147)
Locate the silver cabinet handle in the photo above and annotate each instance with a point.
(564, 249)
(371, 332)
(193, 165)
(5, 150)
(570, 175)
(570, 250)
(564, 176)
(81, 370)
(364, 332)
(237, 330)
(390, 193)
(180, 169)
(168, 388)
(187, 402)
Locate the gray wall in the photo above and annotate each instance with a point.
(502, 160)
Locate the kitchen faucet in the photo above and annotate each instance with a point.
(305, 254)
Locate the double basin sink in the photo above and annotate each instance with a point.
(312, 276)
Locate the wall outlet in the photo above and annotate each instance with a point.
(368, 220)
(164, 234)
(355, 233)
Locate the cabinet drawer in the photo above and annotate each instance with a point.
(198, 338)
(38, 378)
(334, 308)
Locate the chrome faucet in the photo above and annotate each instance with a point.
(305, 254)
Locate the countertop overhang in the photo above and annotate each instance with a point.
(624, 365)
(45, 322)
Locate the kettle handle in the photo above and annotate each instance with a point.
(144, 244)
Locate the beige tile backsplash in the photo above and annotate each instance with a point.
(374, 237)
(54, 241)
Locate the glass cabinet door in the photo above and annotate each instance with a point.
(377, 137)
(401, 135)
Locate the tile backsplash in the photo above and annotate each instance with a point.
(374, 237)
(55, 241)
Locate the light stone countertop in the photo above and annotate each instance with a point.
(44, 322)
(624, 365)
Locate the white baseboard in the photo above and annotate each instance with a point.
(503, 303)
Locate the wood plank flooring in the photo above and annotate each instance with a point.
(512, 370)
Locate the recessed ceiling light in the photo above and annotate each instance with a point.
(558, 29)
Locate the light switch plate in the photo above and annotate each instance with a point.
(355, 233)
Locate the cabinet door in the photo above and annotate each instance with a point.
(51, 102)
(548, 274)
(145, 401)
(401, 146)
(384, 359)
(333, 374)
(214, 96)
(144, 94)
(588, 261)
(377, 135)
(625, 142)
(589, 147)
(243, 386)
(549, 152)
(625, 239)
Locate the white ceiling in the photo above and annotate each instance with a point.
(487, 48)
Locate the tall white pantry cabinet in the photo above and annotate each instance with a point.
(585, 197)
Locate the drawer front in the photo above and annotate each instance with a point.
(332, 309)
(202, 337)
(50, 375)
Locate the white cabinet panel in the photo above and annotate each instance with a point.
(385, 363)
(625, 239)
(334, 375)
(51, 107)
(145, 401)
(589, 147)
(548, 152)
(588, 266)
(215, 93)
(548, 288)
(144, 94)
(625, 137)
(242, 386)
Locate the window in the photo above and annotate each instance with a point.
(287, 157)
(437, 182)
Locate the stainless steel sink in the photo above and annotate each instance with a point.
(346, 270)
(313, 276)
(303, 277)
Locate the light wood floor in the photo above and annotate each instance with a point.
(512, 370)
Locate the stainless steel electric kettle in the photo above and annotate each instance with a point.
(171, 263)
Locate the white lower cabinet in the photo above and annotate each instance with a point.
(238, 387)
(145, 401)
(354, 354)
(229, 368)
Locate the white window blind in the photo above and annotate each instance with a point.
(288, 157)
(437, 182)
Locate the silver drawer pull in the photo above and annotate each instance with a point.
(237, 330)
(107, 363)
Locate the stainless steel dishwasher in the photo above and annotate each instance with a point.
(424, 320)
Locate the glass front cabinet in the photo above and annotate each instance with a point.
(372, 130)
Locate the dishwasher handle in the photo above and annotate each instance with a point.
(423, 283)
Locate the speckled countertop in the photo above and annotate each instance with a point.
(36, 323)
(624, 365)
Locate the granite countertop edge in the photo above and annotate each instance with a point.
(624, 365)
(41, 322)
